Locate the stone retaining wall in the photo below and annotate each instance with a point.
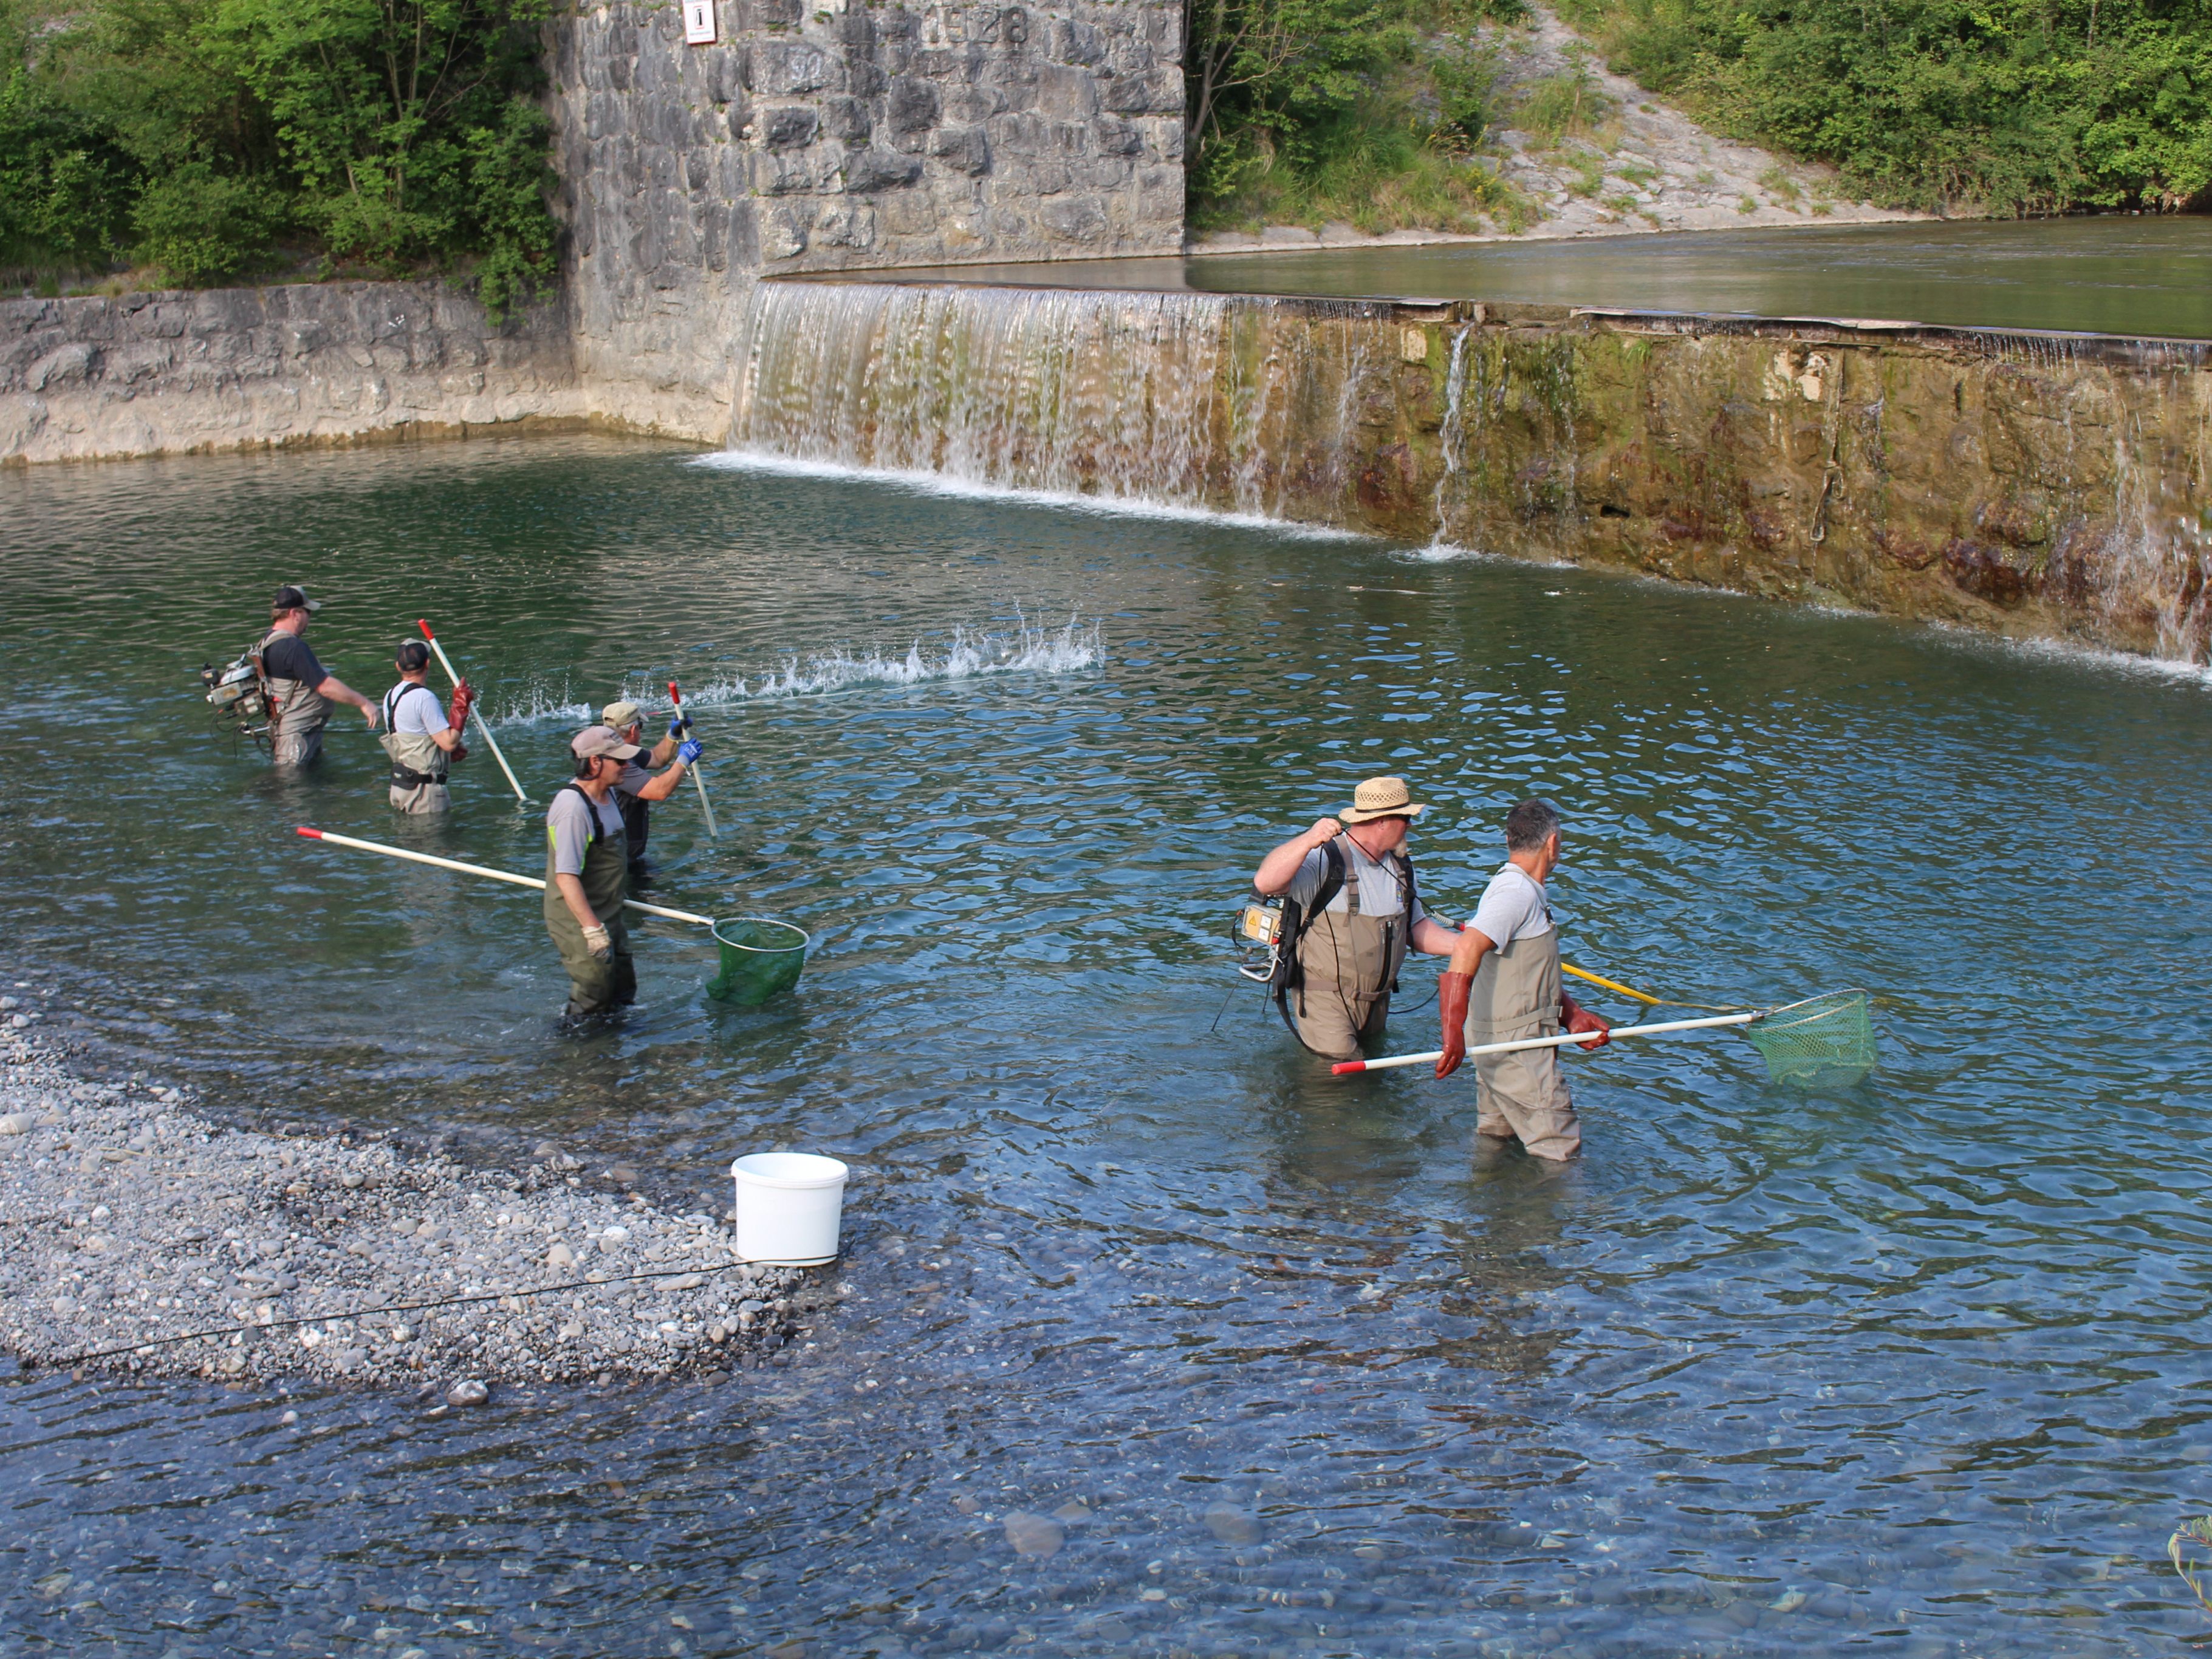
(231, 368)
(819, 135)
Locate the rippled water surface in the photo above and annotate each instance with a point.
(1918, 1368)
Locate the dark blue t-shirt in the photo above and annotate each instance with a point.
(288, 657)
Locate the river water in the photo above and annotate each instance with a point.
(1914, 1368)
(2111, 274)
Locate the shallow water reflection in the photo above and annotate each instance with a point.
(1248, 1359)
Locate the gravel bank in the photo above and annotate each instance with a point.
(127, 1219)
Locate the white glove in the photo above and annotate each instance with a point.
(601, 946)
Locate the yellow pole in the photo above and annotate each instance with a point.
(1644, 996)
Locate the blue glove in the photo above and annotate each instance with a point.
(689, 753)
(680, 724)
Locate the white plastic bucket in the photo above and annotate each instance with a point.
(789, 1205)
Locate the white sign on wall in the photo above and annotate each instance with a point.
(699, 23)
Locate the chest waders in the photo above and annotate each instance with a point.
(1348, 960)
(418, 765)
(593, 987)
(1516, 992)
(1523, 1096)
(297, 713)
(637, 822)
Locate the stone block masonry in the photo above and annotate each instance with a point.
(816, 137)
(238, 369)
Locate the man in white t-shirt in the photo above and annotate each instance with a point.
(418, 734)
(1503, 985)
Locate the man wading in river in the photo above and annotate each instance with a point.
(300, 691)
(1350, 912)
(417, 734)
(637, 788)
(1503, 984)
(587, 873)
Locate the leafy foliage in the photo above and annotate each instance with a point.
(205, 135)
(2003, 106)
(1313, 109)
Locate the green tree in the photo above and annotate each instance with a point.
(397, 116)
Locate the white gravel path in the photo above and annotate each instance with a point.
(129, 1220)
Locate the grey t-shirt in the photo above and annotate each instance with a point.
(1381, 884)
(1514, 906)
(634, 778)
(569, 821)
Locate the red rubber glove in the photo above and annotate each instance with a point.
(464, 698)
(1581, 1019)
(1451, 1003)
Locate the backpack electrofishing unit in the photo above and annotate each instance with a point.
(239, 693)
(1267, 931)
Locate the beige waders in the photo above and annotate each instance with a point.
(1349, 965)
(297, 714)
(1515, 994)
(593, 987)
(418, 765)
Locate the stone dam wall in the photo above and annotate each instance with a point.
(826, 135)
(2029, 485)
(231, 368)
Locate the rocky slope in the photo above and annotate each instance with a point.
(1643, 167)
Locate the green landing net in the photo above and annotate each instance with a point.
(761, 958)
(1824, 1042)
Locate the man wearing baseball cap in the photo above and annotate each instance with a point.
(300, 690)
(421, 738)
(1350, 913)
(637, 788)
(587, 875)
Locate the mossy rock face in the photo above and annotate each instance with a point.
(2007, 483)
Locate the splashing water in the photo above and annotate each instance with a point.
(966, 652)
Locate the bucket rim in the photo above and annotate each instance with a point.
(836, 1175)
(805, 939)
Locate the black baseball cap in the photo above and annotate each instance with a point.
(413, 654)
(289, 598)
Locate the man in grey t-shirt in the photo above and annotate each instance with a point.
(587, 876)
(1503, 985)
(1350, 946)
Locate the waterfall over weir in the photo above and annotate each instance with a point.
(1200, 403)
(2023, 484)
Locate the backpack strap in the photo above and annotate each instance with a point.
(591, 811)
(1290, 973)
(391, 700)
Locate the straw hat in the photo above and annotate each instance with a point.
(1380, 798)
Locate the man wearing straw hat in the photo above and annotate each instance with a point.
(1503, 984)
(587, 875)
(1350, 913)
(637, 788)
(300, 690)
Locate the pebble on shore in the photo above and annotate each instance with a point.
(127, 1220)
